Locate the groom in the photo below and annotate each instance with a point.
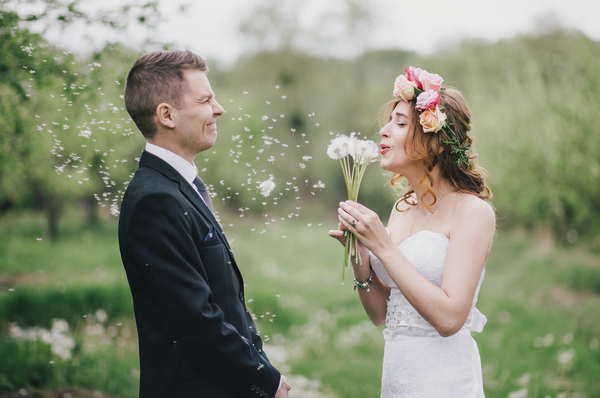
(196, 337)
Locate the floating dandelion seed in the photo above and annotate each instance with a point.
(319, 185)
(266, 187)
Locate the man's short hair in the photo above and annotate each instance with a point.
(156, 78)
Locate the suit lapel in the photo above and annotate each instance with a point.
(156, 163)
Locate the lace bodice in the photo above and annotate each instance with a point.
(426, 251)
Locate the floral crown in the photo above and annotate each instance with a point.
(425, 87)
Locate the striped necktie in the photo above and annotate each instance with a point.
(204, 193)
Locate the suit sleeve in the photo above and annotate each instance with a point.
(161, 245)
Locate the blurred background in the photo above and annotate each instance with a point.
(291, 76)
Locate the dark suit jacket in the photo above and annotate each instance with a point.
(196, 337)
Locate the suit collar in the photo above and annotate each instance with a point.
(156, 163)
(188, 170)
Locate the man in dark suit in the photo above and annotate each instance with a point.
(196, 337)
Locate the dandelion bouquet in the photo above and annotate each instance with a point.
(354, 155)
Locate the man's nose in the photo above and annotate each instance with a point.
(218, 109)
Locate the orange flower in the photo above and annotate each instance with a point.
(432, 120)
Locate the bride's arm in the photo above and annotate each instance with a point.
(446, 308)
(374, 301)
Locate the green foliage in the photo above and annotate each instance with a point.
(31, 364)
(581, 278)
(533, 100)
(27, 306)
(50, 105)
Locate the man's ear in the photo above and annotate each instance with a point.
(164, 115)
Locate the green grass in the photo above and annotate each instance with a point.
(541, 301)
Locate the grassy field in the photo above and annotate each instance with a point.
(542, 303)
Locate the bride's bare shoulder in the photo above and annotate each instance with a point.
(470, 207)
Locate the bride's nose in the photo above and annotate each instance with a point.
(384, 133)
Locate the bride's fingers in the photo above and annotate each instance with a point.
(345, 218)
(358, 206)
(346, 210)
(339, 235)
(348, 222)
(336, 233)
(349, 216)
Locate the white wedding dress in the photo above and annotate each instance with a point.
(417, 361)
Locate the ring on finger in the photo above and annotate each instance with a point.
(354, 221)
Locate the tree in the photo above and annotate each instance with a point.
(34, 78)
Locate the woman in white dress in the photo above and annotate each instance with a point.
(420, 276)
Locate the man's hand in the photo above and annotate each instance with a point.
(284, 387)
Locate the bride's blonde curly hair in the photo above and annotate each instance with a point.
(431, 150)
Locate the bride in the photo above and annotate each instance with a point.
(420, 276)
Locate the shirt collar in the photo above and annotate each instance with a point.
(188, 171)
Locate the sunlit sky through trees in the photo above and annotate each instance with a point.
(212, 28)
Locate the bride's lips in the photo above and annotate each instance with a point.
(384, 148)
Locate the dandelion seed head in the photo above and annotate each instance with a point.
(366, 149)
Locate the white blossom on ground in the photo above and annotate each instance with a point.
(566, 357)
(57, 337)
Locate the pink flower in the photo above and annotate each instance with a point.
(413, 75)
(404, 89)
(432, 120)
(427, 100)
(430, 81)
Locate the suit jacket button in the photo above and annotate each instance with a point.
(253, 388)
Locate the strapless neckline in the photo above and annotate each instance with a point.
(420, 232)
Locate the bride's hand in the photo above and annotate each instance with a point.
(365, 224)
(339, 234)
